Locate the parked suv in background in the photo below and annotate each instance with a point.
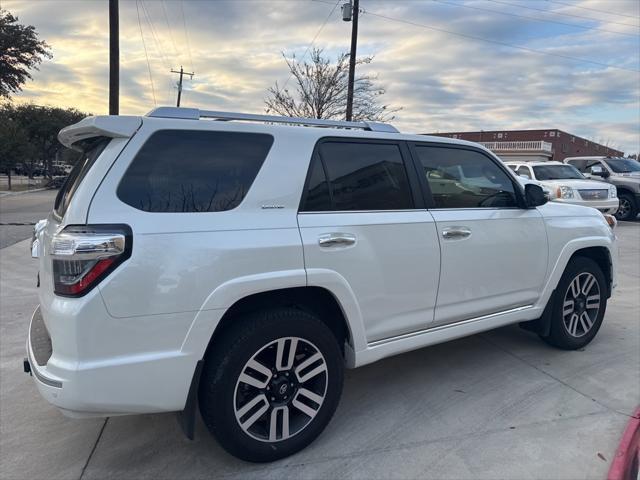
(565, 184)
(624, 173)
(244, 261)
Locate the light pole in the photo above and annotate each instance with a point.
(350, 13)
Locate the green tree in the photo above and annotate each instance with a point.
(20, 51)
(41, 126)
(14, 143)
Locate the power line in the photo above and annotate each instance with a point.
(157, 43)
(555, 12)
(532, 18)
(186, 34)
(166, 19)
(593, 9)
(153, 91)
(497, 42)
(314, 38)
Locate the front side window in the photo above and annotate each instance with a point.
(349, 176)
(461, 178)
(193, 170)
(557, 172)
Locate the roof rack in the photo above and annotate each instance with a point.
(197, 114)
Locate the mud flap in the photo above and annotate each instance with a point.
(187, 417)
(542, 325)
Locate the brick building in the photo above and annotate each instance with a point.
(534, 145)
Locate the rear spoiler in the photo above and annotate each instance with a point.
(101, 126)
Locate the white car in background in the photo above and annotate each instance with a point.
(566, 184)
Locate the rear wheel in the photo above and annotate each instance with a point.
(627, 209)
(579, 305)
(271, 384)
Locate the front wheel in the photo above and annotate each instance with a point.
(627, 209)
(579, 305)
(271, 383)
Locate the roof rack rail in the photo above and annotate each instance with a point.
(196, 114)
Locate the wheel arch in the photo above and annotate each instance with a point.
(316, 300)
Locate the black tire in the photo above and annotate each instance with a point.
(628, 210)
(248, 339)
(562, 320)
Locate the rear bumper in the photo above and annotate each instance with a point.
(609, 205)
(141, 383)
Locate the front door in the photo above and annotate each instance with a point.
(360, 224)
(493, 252)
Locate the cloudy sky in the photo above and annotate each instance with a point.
(450, 64)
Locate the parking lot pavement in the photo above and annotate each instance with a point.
(19, 212)
(497, 405)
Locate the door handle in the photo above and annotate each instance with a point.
(455, 233)
(336, 240)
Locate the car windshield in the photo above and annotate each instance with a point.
(557, 172)
(623, 165)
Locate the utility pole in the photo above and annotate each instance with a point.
(350, 12)
(114, 59)
(181, 72)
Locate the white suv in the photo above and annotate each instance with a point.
(244, 261)
(566, 184)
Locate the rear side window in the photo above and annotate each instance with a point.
(357, 176)
(91, 150)
(193, 171)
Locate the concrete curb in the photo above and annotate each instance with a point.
(11, 194)
(626, 463)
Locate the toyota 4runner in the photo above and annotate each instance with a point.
(243, 261)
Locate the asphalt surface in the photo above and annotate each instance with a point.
(24, 210)
(496, 405)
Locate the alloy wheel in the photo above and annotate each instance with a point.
(280, 389)
(624, 208)
(581, 304)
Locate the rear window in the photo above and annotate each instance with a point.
(91, 148)
(193, 171)
(357, 176)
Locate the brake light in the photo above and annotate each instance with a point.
(83, 255)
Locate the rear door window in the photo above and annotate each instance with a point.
(356, 176)
(193, 170)
(91, 150)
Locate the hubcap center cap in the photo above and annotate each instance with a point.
(581, 305)
(282, 388)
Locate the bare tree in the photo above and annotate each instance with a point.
(321, 91)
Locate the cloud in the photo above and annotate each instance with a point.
(442, 81)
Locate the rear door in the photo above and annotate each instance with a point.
(493, 252)
(363, 220)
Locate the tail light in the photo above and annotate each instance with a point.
(83, 255)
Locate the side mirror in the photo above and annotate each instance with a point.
(599, 171)
(534, 195)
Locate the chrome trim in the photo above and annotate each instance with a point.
(336, 240)
(444, 327)
(455, 233)
(87, 245)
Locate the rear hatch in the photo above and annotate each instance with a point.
(100, 140)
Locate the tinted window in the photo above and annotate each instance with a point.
(91, 148)
(465, 179)
(193, 171)
(361, 176)
(318, 198)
